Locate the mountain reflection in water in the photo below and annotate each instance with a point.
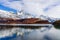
(43, 33)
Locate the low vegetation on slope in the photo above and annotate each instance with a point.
(57, 24)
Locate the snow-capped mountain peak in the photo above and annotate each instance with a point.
(6, 14)
(18, 15)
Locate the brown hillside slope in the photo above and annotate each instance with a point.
(21, 21)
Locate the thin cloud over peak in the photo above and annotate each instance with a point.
(33, 7)
(14, 4)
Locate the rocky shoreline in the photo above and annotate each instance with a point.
(21, 21)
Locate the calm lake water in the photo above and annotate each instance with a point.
(44, 33)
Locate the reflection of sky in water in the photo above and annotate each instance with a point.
(44, 33)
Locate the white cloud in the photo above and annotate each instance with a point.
(54, 12)
(34, 7)
(14, 4)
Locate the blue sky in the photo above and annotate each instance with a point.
(10, 5)
(33, 7)
(2, 7)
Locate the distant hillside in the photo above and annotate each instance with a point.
(57, 24)
(23, 21)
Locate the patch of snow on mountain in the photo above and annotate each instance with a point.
(6, 14)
